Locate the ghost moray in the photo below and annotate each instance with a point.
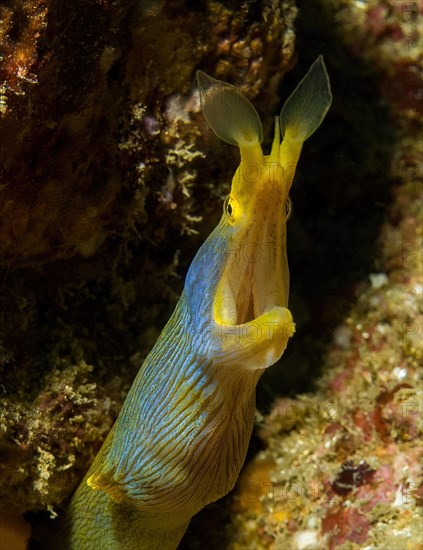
(182, 435)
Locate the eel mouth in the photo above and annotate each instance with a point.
(255, 278)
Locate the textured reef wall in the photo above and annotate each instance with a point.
(339, 465)
(105, 194)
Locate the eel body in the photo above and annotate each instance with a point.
(182, 435)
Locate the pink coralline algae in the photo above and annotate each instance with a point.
(350, 449)
(352, 475)
(346, 524)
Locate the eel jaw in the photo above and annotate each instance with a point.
(251, 295)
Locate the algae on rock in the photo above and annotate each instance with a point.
(104, 197)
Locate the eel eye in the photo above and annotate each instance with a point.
(228, 208)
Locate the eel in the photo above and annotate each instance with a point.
(181, 437)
